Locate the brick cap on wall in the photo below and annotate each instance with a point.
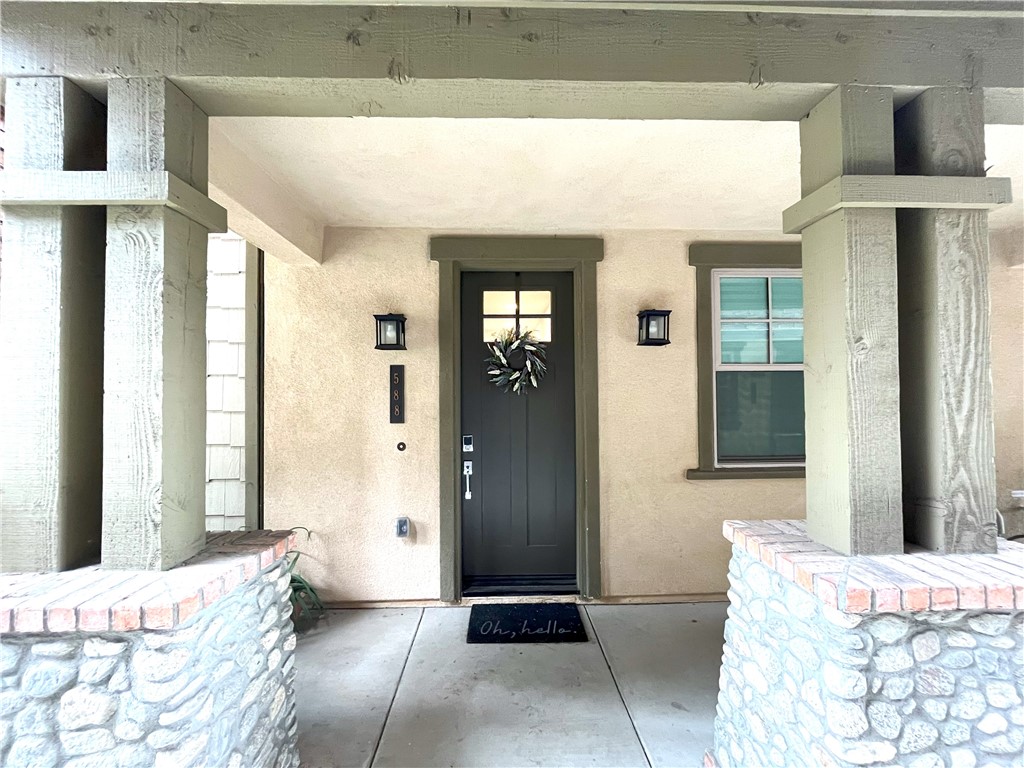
(916, 581)
(95, 599)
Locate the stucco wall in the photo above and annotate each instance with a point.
(662, 533)
(330, 458)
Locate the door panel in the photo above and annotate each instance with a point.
(520, 522)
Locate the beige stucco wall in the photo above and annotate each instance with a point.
(330, 458)
(662, 533)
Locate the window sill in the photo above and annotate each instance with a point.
(745, 473)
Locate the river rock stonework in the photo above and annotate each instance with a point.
(803, 683)
(216, 690)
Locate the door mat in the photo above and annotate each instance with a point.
(526, 623)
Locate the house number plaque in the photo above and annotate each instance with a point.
(396, 394)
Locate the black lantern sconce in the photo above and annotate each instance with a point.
(390, 331)
(653, 331)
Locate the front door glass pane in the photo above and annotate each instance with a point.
(506, 311)
(498, 326)
(541, 327)
(535, 302)
(499, 302)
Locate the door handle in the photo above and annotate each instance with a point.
(467, 471)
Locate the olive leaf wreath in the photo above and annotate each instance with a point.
(518, 380)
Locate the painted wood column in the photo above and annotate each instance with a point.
(51, 337)
(155, 357)
(851, 380)
(945, 367)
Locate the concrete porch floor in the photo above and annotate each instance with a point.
(402, 688)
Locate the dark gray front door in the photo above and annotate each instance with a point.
(519, 523)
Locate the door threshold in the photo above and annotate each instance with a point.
(514, 599)
(515, 586)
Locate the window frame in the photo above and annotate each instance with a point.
(519, 315)
(716, 295)
(749, 258)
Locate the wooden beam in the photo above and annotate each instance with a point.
(851, 380)
(154, 412)
(259, 209)
(238, 59)
(919, 8)
(365, 97)
(51, 338)
(143, 188)
(896, 192)
(945, 364)
(158, 128)
(427, 43)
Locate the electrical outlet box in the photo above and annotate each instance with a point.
(402, 527)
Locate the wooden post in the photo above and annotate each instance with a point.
(851, 349)
(51, 338)
(155, 357)
(945, 367)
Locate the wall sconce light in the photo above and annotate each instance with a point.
(390, 331)
(653, 331)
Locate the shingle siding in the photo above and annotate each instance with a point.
(225, 384)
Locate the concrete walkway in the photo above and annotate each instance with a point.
(401, 688)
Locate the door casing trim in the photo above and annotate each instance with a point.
(579, 255)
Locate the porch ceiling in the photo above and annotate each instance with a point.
(541, 175)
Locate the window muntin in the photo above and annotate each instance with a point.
(758, 367)
(518, 311)
(775, 301)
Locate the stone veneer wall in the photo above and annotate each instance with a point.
(215, 690)
(803, 683)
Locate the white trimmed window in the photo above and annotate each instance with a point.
(758, 386)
